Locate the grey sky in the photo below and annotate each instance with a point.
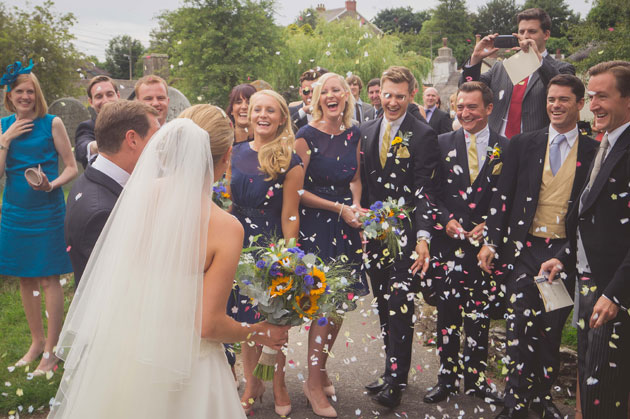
(99, 21)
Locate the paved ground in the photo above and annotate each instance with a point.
(359, 359)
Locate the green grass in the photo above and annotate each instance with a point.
(14, 342)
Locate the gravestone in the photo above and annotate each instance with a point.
(72, 112)
(178, 102)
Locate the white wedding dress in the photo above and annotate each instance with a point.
(131, 342)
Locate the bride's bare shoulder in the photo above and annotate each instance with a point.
(224, 229)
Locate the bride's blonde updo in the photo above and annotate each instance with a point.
(216, 123)
(274, 157)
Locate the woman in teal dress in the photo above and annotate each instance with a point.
(32, 245)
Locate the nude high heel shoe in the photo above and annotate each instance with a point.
(326, 412)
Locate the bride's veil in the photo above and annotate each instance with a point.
(133, 328)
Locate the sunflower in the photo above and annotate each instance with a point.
(319, 285)
(280, 285)
(308, 304)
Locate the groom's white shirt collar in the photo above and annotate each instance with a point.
(102, 164)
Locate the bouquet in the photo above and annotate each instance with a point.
(220, 195)
(384, 221)
(291, 287)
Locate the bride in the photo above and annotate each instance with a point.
(143, 335)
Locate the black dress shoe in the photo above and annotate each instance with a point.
(546, 409)
(390, 396)
(376, 386)
(438, 393)
(486, 393)
(512, 413)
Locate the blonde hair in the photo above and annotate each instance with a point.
(216, 123)
(41, 107)
(274, 157)
(348, 111)
(150, 79)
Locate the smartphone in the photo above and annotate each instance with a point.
(506, 41)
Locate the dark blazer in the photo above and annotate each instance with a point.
(414, 111)
(604, 225)
(415, 177)
(90, 202)
(457, 198)
(441, 122)
(366, 111)
(83, 136)
(514, 205)
(370, 114)
(297, 122)
(534, 114)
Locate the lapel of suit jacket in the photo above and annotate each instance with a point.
(372, 152)
(533, 78)
(96, 176)
(536, 154)
(581, 170)
(612, 158)
(390, 163)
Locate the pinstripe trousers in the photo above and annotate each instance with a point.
(603, 359)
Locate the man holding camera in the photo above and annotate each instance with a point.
(519, 108)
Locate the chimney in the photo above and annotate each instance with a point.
(321, 8)
(351, 5)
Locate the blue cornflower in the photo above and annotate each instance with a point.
(261, 264)
(322, 321)
(297, 251)
(308, 280)
(376, 206)
(275, 269)
(300, 269)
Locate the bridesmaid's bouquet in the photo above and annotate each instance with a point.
(290, 287)
(220, 195)
(384, 222)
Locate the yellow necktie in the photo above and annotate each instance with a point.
(473, 160)
(387, 140)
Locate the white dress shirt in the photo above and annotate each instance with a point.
(106, 166)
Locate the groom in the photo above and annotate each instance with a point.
(399, 159)
(122, 130)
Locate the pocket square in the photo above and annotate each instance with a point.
(403, 153)
(496, 170)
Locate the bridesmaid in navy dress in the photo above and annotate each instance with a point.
(265, 177)
(329, 147)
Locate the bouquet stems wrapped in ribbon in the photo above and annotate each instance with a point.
(290, 287)
(384, 221)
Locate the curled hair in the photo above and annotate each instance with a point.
(317, 91)
(244, 91)
(215, 122)
(274, 157)
(41, 107)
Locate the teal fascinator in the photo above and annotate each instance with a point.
(13, 71)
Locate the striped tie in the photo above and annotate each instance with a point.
(473, 159)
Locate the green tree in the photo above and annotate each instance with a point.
(401, 19)
(44, 35)
(342, 47)
(561, 14)
(214, 45)
(121, 50)
(496, 16)
(604, 35)
(308, 16)
(451, 20)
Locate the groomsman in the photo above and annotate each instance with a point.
(599, 245)
(122, 130)
(471, 165)
(542, 177)
(100, 91)
(153, 91)
(399, 159)
(301, 113)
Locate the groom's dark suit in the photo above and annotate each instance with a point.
(90, 202)
(461, 285)
(410, 172)
(533, 335)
